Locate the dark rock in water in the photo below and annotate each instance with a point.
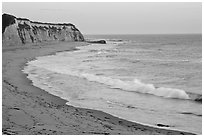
(162, 125)
(130, 106)
(190, 113)
(98, 41)
(195, 97)
(199, 99)
(102, 41)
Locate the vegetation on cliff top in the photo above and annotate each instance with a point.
(10, 19)
(7, 20)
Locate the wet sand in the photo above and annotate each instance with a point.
(29, 110)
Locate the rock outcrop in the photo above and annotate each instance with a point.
(97, 41)
(21, 31)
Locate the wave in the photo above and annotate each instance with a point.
(138, 86)
(132, 86)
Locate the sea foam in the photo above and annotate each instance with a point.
(133, 86)
(137, 86)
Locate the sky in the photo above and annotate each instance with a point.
(115, 18)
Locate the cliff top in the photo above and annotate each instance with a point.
(10, 19)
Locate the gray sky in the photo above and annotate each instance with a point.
(115, 18)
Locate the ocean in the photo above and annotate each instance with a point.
(150, 79)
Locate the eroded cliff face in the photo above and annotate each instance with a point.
(19, 31)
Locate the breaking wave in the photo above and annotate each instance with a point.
(138, 86)
(132, 86)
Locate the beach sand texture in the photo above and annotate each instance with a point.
(29, 110)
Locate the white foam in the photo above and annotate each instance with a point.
(133, 86)
(138, 86)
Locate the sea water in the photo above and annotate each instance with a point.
(150, 79)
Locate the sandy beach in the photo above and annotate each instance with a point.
(29, 110)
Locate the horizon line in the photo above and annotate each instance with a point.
(142, 33)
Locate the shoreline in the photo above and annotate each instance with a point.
(27, 109)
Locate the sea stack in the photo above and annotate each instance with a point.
(22, 31)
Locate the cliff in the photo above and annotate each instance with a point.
(21, 31)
